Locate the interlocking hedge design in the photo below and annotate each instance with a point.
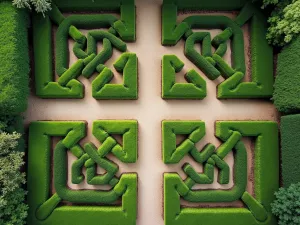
(266, 180)
(45, 205)
(85, 49)
(195, 89)
(211, 63)
(52, 201)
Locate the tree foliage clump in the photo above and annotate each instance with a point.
(13, 210)
(40, 6)
(287, 205)
(269, 2)
(284, 21)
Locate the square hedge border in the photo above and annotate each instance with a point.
(44, 207)
(43, 48)
(261, 84)
(266, 181)
(208, 5)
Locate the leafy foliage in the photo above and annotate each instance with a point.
(8, 142)
(269, 2)
(284, 21)
(40, 6)
(13, 210)
(10, 124)
(287, 205)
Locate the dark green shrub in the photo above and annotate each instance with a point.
(14, 60)
(290, 154)
(10, 124)
(287, 83)
(287, 205)
(269, 2)
(13, 210)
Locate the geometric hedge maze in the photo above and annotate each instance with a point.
(210, 59)
(256, 208)
(48, 206)
(55, 78)
(89, 60)
(48, 163)
(88, 206)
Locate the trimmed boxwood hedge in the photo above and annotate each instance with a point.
(287, 84)
(14, 59)
(90, 5)
(290, 152)
(208, 4)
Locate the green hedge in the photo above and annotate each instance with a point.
(45, 209)
(194, 89)
(81, 5)
(287, 83)
(85, 49)
(14, 60)
(290, 151)
(208, 5)
(257, 211)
